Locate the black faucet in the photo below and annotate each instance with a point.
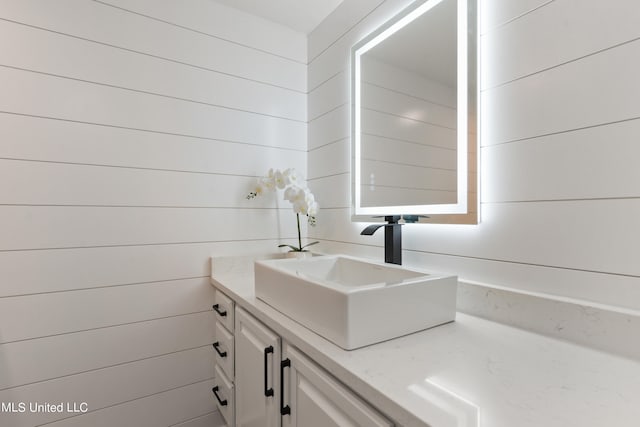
(392, 238)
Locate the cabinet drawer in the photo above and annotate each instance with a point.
(224, 396)
(224, 350)
(224, 310)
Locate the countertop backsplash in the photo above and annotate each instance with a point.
(597, 327)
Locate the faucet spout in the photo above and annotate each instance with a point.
(392, 238)
(369, 230)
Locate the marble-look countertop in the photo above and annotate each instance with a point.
(472, 372)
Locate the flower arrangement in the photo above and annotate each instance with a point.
(301, 198)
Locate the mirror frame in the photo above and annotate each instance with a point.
(465, 211)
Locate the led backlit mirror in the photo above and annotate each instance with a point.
(414, 109)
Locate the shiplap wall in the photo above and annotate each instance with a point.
(560, 126)
(130, 132)
(408, 137)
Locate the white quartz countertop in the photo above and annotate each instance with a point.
(472, 372)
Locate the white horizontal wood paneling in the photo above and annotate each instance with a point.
(595, 90)
(329, 127)
(39, 183)
(558, 197)
(130, 134)
(35, 138)
(338, 23)
(42, 227)
(496, 13)
(332, 61)
(329, 160)
(547, 233)
(84, 268)
(513, 51)
(49, 314)
(603, 159)
(525, 233)
(330, 95)
(143, 73)
(324, 188)
(111, 386)
(44, 95)
(33, 360)
(163, 409)
(226, 23)
(94, 21)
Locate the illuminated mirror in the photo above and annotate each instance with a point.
(414, 109)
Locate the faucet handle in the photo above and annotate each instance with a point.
(413, 218)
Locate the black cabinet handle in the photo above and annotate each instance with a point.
(222, 313)
(284, 410)
(215, 392)
(268, 392)
(216, 346)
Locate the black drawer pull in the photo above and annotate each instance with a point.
(216, 346)
(284, 410)
(222, 313)
(215, 392)
(268, 392)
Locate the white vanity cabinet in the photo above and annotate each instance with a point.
(273, 384)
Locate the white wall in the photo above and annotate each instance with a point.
(560, 200)
(130, 132)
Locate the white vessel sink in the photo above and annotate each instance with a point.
(353, 302)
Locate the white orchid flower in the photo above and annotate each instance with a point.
(300, 197)
(299, 201)
(312, 210)
(293, 177)
(291, 193)
(300, 207)
(281, 180)
(269, 181)
(259, 189)
(304, 201)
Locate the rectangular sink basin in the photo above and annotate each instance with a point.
(352, 302)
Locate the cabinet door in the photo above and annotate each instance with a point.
(315, 399)
(257, 373)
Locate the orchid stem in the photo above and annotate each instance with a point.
(299, 238)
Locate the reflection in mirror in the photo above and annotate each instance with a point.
(411, 130)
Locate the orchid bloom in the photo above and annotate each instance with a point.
(302, 199)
